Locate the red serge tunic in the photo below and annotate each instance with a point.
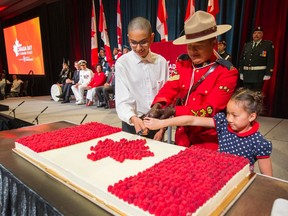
(209, 98)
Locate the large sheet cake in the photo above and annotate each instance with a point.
(172, 181)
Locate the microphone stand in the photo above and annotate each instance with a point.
(13, 110)
(36, 118)
(83, 119)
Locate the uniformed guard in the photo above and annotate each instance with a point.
(201, 84)
(222, 50)
(256, 61)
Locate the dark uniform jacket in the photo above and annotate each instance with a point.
(226, 56)
(257, 62)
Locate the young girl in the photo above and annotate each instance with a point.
(237, 133)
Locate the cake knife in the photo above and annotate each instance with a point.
(137, 135)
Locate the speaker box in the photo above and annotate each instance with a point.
(4, 107)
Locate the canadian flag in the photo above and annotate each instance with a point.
(119, 26)
(94, 42)
(161, 24)
(213, 7)
(104, 34)
(190, 10)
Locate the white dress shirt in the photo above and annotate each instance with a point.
(137, 81)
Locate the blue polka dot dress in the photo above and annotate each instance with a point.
(251, 144)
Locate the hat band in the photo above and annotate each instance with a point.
(202, 33)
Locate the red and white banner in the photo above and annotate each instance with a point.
(190, 10)
(94, 41)
(213, 7)
(161, 24)
(104, 34)
(119, 26)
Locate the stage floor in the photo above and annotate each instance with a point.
(274, 129)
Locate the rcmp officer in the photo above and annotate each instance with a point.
(203, 84)
(256, 61)
(222, 50)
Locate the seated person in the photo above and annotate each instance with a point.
(98, 80)
(104, 91)
(126, 49)
(103, 60)
(70, 82)
(3, 82)
(16, 85)
(85, 78)
(65, 73)
(116, 54)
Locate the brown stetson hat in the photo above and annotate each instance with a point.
(201, 26)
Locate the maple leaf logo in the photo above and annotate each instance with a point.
(16, 46)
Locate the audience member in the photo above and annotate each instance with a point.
(103, 92)
(256, 61)
(85, 77)
(237, 132)
(222, 51)
(16, 85)
(116, 54)
(3, 83)
(139, 75)
(103, 61)
(126, 49)
(69, 83)
(65, 73)
(200, 85)
(98, 80)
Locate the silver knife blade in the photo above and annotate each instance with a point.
(136, 136)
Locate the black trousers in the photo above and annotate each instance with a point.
(254, 86)
(131, 129)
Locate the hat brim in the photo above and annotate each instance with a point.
(220, 30)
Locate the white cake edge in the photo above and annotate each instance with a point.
(213, 203)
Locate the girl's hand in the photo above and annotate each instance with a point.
(152, 123)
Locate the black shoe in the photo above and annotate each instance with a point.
(101, 105)
(65, 101)
(60, 96)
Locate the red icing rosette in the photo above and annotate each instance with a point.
(180, 184)
(67, 136)
(120, 150)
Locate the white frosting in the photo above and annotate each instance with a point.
(71, 165)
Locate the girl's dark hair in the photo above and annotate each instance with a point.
(252, 100)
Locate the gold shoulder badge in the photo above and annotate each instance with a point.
(175, 77)
(203, 112)
(225, 88)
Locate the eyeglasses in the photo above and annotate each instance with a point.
(142, 43)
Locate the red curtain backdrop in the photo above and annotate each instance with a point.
(273, 18)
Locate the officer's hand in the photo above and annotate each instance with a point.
(153, 112)
(266, 77)
(166, 112)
